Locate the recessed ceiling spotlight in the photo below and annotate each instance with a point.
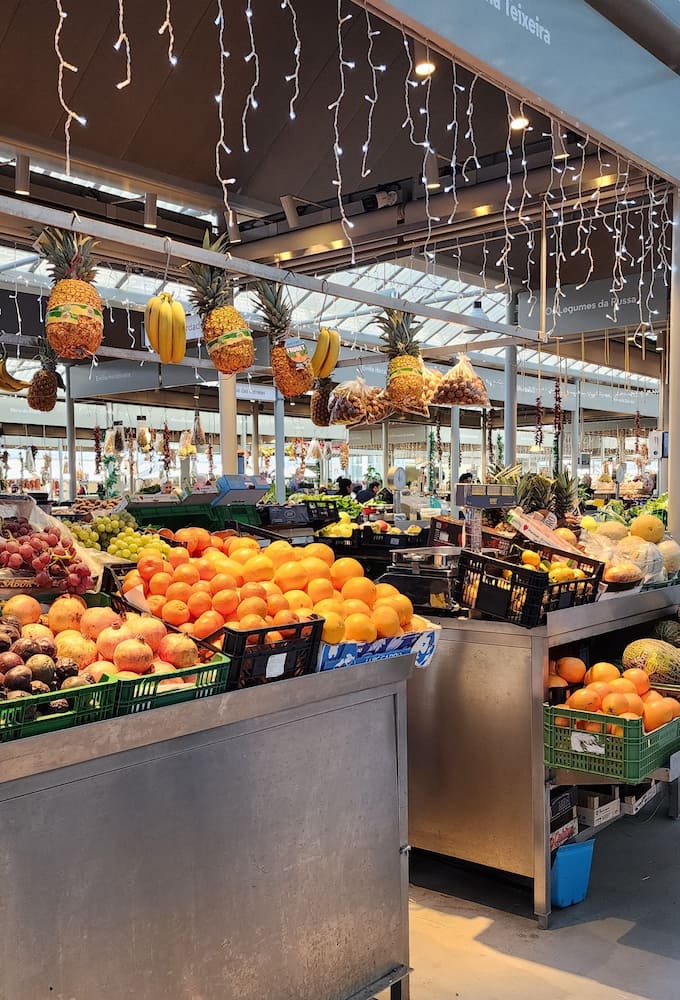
(422, 60)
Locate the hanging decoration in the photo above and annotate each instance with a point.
(167, 455)
(211, 459)
(343, 66)
(440, 449)
(167, 26)
(71, 115)
(143, 438)
(489, 438)
(538, 436)
(500, 454)
(251, 101)
(558, 419)
(293, 77)
(431, 470)
(97, 449)
(123, 39)
(637, 432)
(344, 456)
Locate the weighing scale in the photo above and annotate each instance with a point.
(476, 497)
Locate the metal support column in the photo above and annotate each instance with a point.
(228, 429)
(385, 451)
(279, 446)
(673, 378)
(662, 423)
(510, 407)
(482, 427)
(576, 428)
(455, 448)
(255, 448)
(244, 438)
(71, 436)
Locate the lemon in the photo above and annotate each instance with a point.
(530, 558)
(589, 523)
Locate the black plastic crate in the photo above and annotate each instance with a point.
(514, 593)
(255, 662)
(344, 545)
(321, 512)
(278, 514)
(383, 539)
(448, 531)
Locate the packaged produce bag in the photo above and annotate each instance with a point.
(462, 386)
(379, 406)
(432, 379)
(347, 404)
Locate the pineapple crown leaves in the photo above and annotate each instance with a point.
(48, 359)
(211, 284)
(68, 254)
(399, 333)
(272, 309)
(564, 494)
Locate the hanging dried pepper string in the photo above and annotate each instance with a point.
(440, 450)
(167, 457)
(557, 409)
(211, 463)
(97, 449)
(539, 422)
(637, 432)
(131, 440)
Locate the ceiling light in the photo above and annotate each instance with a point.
(431, 171)
(477, 312)
(519, 122)
(150, 215)
(232, 226)
(22, 174)
(422, 60)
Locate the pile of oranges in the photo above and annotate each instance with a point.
(212, 581)
(604, 690)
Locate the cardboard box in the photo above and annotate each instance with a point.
(351, 654)
(636, 799)
(563, 832)
(562, 800)
(597, 808)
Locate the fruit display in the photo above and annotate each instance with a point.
(560, 569)
(225, 331)
(347, 504)
(461, 386)
(292, 367)
(128, 543)
(8, 383)
(633, 554)
(344, 527)
(42, 390)
(48, 557)
(99, 533)
(326, 353)
(319, 404)
(166, 327)
(74, 320)
(404, 369)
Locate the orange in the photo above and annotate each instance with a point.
(635, 704)
(187, 628)
(361, 589)
(187, 538)
(571, 668)
(186, 573)
(328, 606)
(622, 686)
(298, 599)
(639, 678)
(344, 569)
(253, 590)
(203, 587)
(178, 555)
(159, 583)
(320, 551)
(656, 714)
(222, 581)
(603, 672)
(148, 565)
(401, 605)
(558, 682)
(175, 612)
(354, 606)
(360, 628)
(132, 579)
(179, 592)
(585, 700)
(601, 688)
(589, 727)
(205, 567)
(320, 590)
(315, 568)
(615, 703)
(156, 602)
(384, 590)
(242, 542)
(333, 629)
(226, 602)
(258, 568)
(273, 637)
(651, 696)
(270, 588)
(277, 602)
(675, 707)
(198, 603)
(167, 567)
(619, 730)
(386, 621)
(233, 568)
(207, 623)
(279, 552)
(241, 556)
(291, 576)
(286, 618)
(251, 606)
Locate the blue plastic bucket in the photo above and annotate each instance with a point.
(570, 874)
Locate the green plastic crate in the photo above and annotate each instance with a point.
(142, 694)
(90, 703)
(631, 757)
(176, 516)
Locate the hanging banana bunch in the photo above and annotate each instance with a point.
(8, 383)
(166, 327)
(326, 352)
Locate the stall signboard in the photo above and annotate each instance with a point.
(110, 378)
(583, 309)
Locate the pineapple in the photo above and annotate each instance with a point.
(291, 377)
(564, 496)
(318, 405)
(226, 334)
(405, 368)
(42, 392)
(74, 320)
(534, 492)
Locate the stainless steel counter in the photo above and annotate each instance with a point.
(244, 846)
(477, 783)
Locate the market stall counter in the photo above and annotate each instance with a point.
(251, 844)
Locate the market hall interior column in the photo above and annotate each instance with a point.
(280, 446)
(510, 407)
(228, 430)
(674, 380)
(455, 450)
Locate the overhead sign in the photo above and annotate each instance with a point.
(567, 55)
(582, 310)
(255, 393)
(111, 378)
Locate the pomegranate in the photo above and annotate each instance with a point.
(133, 655)
(9, 660)
(152, 630)
(36, 631)
(178, 649)
(74, 646)
(101, 667)
(109, 639)
(23, 607)
(162, 667)
(170, 684)
(95, 620)
(65, 613)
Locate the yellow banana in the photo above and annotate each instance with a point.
(151, 313)
(321, 350)
(8, 382)
(332, 356)
(179, 331)
(165, 331)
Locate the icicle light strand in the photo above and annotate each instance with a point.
(70, 113)
(372, 98)
(123, 40)
(453, 126)
(293, 77)
(167, 26)
(221, 145)
(252, 56)
(343, 65)
(470, 134)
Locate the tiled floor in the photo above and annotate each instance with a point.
(473, 938)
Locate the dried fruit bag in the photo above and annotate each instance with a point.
(462, 386)
(347, 404)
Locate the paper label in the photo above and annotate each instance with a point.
(276, 664)
(228, 337)
(71, 312)
(582, 742)
(296, 349)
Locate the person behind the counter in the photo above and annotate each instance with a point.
(344, 486)
(368, 493)
(465, 479)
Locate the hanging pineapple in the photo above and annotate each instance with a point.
(74, 320)
(289, 359)
(226, 333)
(318, 404)
(405, 368)
(42, 392)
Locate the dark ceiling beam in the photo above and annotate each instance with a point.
(647, 25)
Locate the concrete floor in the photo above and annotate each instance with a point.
(473, 937)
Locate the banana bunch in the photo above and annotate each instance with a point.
(166, 327)
(7, 382)
(326, 353)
